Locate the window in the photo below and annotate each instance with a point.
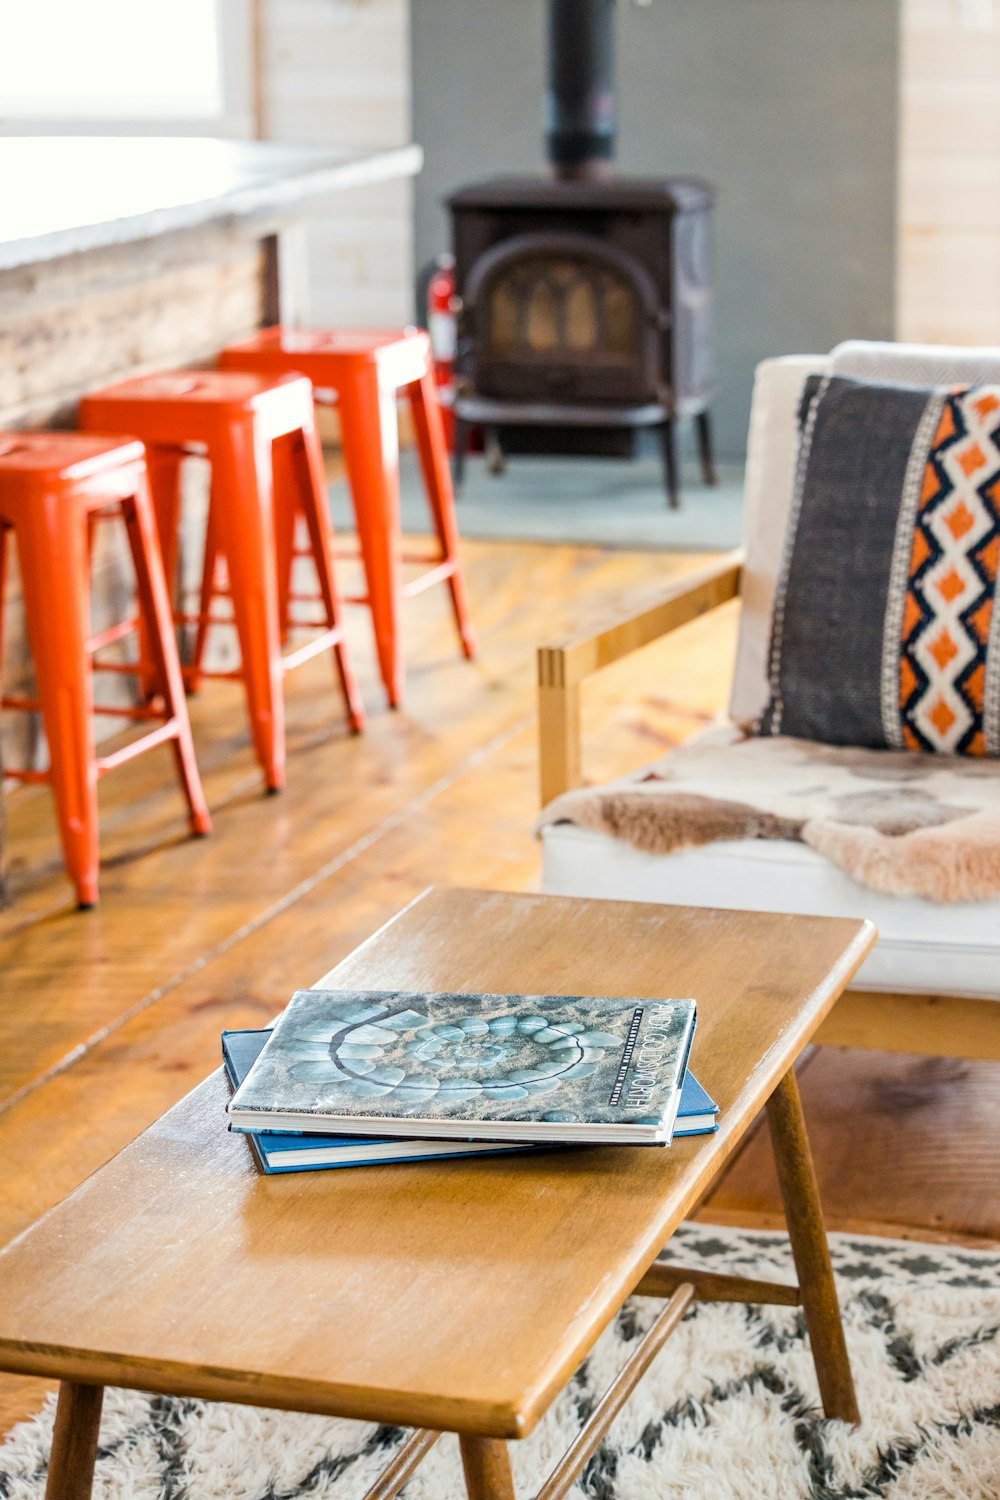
(178, 66)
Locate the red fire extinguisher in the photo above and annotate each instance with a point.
(442, 329)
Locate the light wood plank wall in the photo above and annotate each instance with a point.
(338, 72)
(948, 284)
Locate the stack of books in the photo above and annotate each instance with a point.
(349, 1078)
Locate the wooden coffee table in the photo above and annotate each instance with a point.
(454, 1297)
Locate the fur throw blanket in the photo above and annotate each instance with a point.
(909, 825)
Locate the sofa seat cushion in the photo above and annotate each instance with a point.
(920, 826)
(924, 947)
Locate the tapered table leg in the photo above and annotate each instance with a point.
(74, 1442)
(487, 1469)
(800, 1195)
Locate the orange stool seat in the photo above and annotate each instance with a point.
(259, 435)
(53, 486)
(362, 370)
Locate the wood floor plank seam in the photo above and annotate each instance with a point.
(303, 888)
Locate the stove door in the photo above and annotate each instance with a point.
(561, 318)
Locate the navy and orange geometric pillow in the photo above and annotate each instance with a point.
(885, 631)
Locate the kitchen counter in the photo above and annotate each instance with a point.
(64, 195)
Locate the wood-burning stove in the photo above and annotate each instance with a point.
(585, 300)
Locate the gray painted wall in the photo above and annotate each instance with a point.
(788, 106)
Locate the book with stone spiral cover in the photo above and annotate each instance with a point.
(544, 1068)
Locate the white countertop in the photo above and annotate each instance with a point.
(65, 194)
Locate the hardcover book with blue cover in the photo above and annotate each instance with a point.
(281, 1151)
(541, 1068)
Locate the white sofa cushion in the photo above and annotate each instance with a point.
(924, 947)
(917, 364)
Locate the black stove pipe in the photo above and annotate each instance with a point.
(580, 101)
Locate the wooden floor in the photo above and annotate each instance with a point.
(108, 1017)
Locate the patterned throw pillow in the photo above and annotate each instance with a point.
(884, 631)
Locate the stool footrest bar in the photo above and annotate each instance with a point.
(310, 649)
(440, 574)
(168, 731)
(140, 711)
(310, 625)
(123, 668)
(111, 634)
(189, 672)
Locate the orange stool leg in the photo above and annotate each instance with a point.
(241, 498)
(287, 508)
(209, 568)
(307, 464)
(163, 465)
(164, 468)
(157, 615)
(370, 439)
(52, 551)
(4, 564)
(433, 451)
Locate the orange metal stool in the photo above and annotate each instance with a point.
(363, 370)
(267, 469)
(53, 486)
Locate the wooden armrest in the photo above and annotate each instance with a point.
(581, 655)
(564, 665)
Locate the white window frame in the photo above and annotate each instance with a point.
(237, 23)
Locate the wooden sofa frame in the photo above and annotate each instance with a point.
(933, 1025)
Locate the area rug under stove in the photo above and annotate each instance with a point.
(598, 502)
(727, 1412)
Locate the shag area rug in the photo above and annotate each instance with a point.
(728, 1411)
(898, 822)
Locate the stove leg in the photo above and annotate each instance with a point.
(703, 423)
(462, 434)
(496, 462)
(668, 445)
